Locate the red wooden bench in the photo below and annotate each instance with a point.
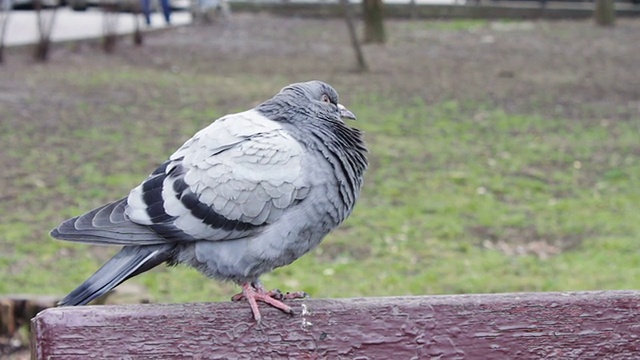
(577, 325)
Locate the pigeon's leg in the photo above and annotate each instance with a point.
(254, 292)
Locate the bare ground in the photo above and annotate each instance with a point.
(552, 68)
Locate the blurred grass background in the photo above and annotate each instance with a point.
(485, 187)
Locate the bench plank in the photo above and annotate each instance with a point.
(578, 325)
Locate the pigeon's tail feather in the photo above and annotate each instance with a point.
(129, 262)
(107, 225)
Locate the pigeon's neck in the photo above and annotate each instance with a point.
(281, 109)
(341, 145)
(344, 148)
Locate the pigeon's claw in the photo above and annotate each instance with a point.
(276, 294)
(295, 295)
(254, 292)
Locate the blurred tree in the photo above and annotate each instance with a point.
(137, 32)
(110, 12)
(45, 19)
(604, 13)
(5, 10)
(373, 21)
(362, 64)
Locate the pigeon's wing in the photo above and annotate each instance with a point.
(106, 224)
(229, 181)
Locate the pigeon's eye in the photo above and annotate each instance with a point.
(326, 98)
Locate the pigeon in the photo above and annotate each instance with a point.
(249, 193)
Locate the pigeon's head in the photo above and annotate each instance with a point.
(322, 95)
(315, 97)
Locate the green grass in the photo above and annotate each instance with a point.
(442, 176)
(460, 197)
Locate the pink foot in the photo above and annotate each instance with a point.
(254, 292)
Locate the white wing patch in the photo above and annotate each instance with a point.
(244, 166)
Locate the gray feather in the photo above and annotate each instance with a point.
(130, 261)
(106, 225)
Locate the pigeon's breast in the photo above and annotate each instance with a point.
(301, 228)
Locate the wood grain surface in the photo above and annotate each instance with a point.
(579, 325)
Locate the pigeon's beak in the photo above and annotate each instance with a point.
(345, 113)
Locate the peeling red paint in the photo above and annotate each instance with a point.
(585, 325)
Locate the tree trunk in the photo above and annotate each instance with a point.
(604, 13)
(5, 11)
(137, 33)
(362, 64)
(109, 26)
(45, 21)
(41, 52)
(373, 21)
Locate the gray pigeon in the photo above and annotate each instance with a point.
(249, 193)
